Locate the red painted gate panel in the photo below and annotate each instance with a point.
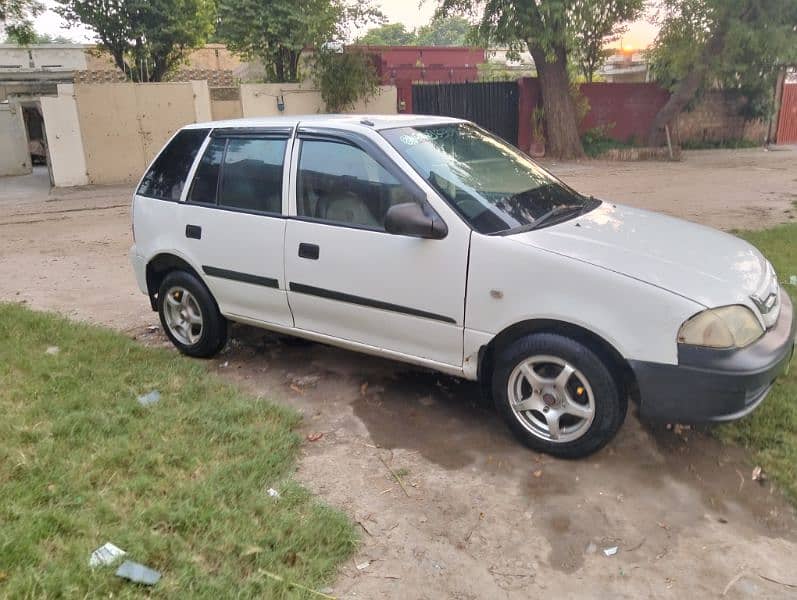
(787, 122)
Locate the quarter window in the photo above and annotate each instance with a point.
(206, 179)
(167, 175)
(340, 183)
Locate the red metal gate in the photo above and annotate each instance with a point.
(787, 122)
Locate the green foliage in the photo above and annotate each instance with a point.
(277, 31)
(180, 485)
(442, 31)
(389, 34)
(595, 25)
(344, 78)
(16, 19)
(445, 31)
(771, 431)
(147, 39)
(39, 38)
(596, 141)
(756, 40)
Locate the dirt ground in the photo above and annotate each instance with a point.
(477, 515)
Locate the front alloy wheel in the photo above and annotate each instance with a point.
(557, 394)
(551, 398)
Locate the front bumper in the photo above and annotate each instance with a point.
(710, 385)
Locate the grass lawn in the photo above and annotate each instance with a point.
(180, 485)
(771, 431)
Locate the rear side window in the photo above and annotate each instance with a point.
(167, 175)
(206, 180)
(250, 169)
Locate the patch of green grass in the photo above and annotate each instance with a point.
(596, 142)
(771, 431)
(718, 144)
(180, 485)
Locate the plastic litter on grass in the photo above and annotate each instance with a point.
(105, 555)
(138, 573)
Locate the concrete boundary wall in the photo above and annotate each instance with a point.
(124, 125)
(14, 156)
(261, 100)
(107, 133)
(64, 140)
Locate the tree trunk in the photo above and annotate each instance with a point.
(686, 89)
(559, 110)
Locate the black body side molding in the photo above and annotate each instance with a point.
(310, 290)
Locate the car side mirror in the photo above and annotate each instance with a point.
(410, 219)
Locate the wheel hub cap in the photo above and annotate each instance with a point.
(551, 399)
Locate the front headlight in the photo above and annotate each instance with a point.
(725, 327)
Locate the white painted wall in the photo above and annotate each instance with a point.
(42, 57)
(14, 155)
(62, 126)
(260, 100)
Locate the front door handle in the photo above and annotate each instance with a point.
(310, 251)
(193, 231)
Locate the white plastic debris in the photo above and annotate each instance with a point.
(138, 573)
(273, 493)
(363, 565)
(610, 551)
(793, 280)
(147, 399)
(52, 350)
(105, 555)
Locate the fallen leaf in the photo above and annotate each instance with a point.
(364, 389)
(315, 436)
(297, 389)
(538, 474)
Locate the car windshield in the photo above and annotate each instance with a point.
(494, 187)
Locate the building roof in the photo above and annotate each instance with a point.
(377, 122)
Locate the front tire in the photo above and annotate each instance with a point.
(557, 395)
(189, 315)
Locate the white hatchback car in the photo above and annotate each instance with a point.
(428, 240)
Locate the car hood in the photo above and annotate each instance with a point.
(705, 265)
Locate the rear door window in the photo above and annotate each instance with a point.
(166, 177)
(251, 175)
(241, 173)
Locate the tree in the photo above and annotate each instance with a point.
(15, 19)
(547, 29)
(39, 38)
(277, 31)
(344, 78)
(389, 34)
(445, 31)
(734, 44)
(147, 39)
(595, 25)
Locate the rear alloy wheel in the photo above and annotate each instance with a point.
(557, 395)
(189, 315)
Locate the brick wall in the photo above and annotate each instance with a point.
(716, 117)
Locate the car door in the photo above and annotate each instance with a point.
(234, 222)
(350, 279)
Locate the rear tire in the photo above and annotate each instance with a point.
(189, 315)
(557, 395)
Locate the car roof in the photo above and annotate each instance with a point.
(377, 122)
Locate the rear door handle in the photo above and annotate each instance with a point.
(193, 232)
(310, 251)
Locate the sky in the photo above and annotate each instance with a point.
(409, 12)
